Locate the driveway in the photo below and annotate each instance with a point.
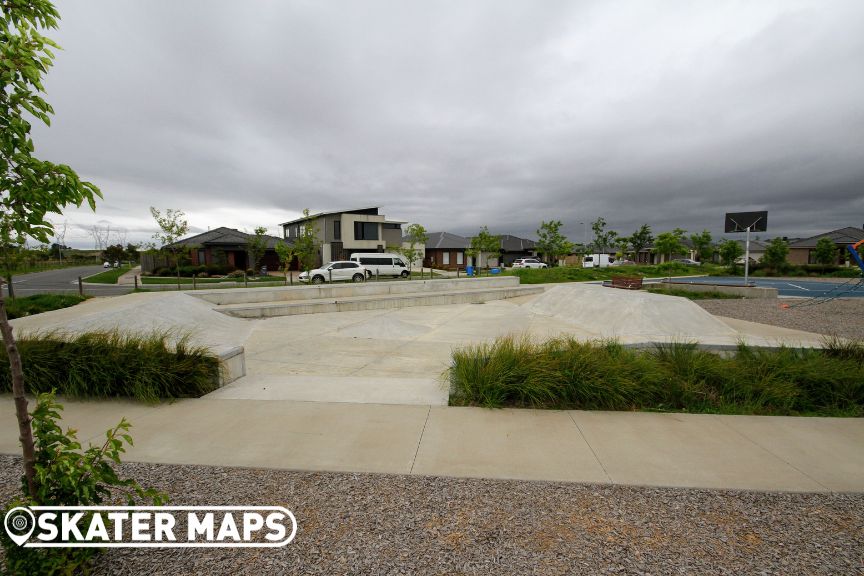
(845, 287)
(64, 281)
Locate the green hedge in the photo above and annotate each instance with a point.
(568, 374)
(108, 364)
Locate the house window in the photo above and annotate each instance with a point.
(392, 226)
(445, 258)
(460, 258)
(337, 230)
(202, 256)
(365, 230)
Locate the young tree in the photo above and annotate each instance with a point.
(30, 188)
(131, 252)
(603, 239)
(306, 246)
(256, 246)
(114, 253)
(775, 254)
(286, 253)
(669, 243)
(730, 251)
(172, 227)
(622, 243)
(702, 243)
(551, 243)
(825, 252)
(484, 243)
(416, 236)
(640, 239)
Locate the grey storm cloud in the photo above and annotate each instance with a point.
(463, 114)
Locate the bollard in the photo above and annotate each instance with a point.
(330, 273)
(245, 280)
(290, 278)
(136, 281)
(194, 283)
(80, 287)
(457, 272)
(376, 275)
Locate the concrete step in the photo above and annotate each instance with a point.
(347, 290)
(375, 302)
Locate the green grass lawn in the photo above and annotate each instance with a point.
(109, 276)
(565, 373)
(198, 281)
(29, 305)
(692, 295)
(577, 274)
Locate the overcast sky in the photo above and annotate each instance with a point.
(462, 114)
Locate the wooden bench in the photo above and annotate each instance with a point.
(627, 282)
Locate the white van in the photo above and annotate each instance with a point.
(597, 261)
(382, 263)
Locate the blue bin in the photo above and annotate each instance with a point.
(469, 270)
(495, 271)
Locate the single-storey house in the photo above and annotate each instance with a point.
(513, 248)
(221, 247)
(445, 251)
(344, 232)
(803, 251)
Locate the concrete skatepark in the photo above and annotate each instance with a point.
(363, 389)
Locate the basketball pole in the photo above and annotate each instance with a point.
(747, 257)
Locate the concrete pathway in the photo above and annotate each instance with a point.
(684, 450)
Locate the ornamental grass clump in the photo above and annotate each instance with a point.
(111, 364)
(565, 373)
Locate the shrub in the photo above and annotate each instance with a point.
(236, 274)
(203, 275)
(69, 476)
(164, 272)
(109, 364)
(29, 305)
(568, 374)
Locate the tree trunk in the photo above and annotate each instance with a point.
(24, 430)
(9, 284)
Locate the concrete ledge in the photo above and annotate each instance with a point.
(233, 360)
(743, 291)
(350, 304)
(348, 290)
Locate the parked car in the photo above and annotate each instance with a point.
(623, 262)
(528, 263)
(381, 263)
(335, 271)
(106, 265)
(687, 262)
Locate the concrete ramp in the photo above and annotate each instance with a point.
(177, 313)
(629, 314)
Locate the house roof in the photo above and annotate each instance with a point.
(842, 236)
(510, 243)
(223, 236)
(445, 241)
(368, 209)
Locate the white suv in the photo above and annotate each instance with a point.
(528, 263)
(335, 271)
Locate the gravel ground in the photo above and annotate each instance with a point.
(841, 317)
(377, 524)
